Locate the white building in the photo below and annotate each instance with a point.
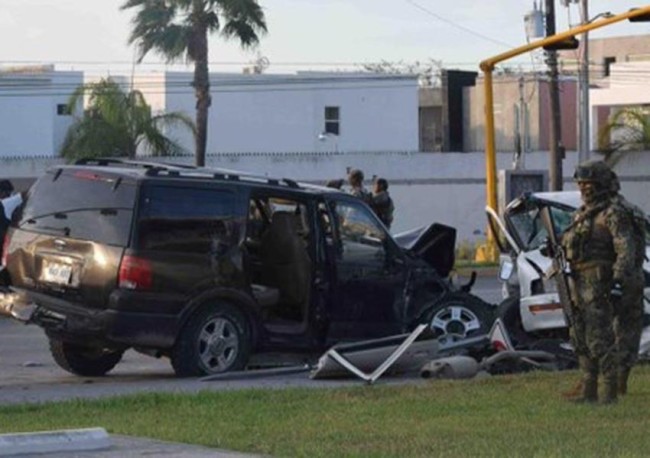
(305, 112)
(628, 85)
(33, 109)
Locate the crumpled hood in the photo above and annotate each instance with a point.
(435, 244)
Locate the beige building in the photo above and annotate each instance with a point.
(603, 52)
(521, 113)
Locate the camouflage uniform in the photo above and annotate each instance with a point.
(599, 245)
(383, 206)
(355, 178)
(628, 310)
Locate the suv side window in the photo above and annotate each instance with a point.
(187, 219)
(361, 235)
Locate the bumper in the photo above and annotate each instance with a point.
(144, 328)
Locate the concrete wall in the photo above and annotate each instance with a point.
(447, 188)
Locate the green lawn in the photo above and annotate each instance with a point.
(519, 415)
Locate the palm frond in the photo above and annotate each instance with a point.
(117, 122)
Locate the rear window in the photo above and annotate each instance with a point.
(190, 220)
(80, 204)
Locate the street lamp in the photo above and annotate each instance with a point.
(324, 136)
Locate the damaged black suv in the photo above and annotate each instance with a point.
(208, 266)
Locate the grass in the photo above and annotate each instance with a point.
(522, 415)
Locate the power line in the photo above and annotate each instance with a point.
(456, 25)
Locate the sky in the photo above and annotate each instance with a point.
(92, 35)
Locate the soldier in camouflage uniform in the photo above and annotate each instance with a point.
(355, 179)
(628, 308)
(599, 246)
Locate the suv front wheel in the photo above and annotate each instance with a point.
(82, 360)
(458, 316)
(215, 340)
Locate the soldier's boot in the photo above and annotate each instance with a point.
(623, 375)
(589, 392)
(610, 391)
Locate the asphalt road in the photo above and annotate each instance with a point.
(28, 373)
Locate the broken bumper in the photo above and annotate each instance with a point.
(16, 305)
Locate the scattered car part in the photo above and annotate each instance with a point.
(376, 356)
(453, 367)
(511, 361)
(253, 373)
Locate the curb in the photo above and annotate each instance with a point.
(54, 441)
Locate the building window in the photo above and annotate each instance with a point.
(607, 63)
(62, 109)
(332, 120)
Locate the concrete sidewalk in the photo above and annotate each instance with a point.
(131, 447)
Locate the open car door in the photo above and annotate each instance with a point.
(505, 241)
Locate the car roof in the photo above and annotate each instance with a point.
(144, 170)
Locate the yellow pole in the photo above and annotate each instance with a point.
(490, 143)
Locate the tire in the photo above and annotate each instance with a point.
(214, 340)
(81, 360)
(458, 316)
(509, 312)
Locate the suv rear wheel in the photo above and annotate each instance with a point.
(82, 360)
(215, 340)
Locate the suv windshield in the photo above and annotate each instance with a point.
(80, 204)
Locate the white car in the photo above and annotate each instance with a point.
(531, 307)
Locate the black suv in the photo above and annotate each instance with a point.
(207, 266)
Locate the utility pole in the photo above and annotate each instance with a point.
(583, 98)
(556, 149)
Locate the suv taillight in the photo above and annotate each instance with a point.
(135, 273)
(5, 248)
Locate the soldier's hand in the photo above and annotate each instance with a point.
(617, 290)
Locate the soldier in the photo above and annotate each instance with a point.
(382, 204)
(628, 307)
(355, 178)
(599, 246)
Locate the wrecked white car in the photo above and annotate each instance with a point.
(531, 308)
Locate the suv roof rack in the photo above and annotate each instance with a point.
(181, 170)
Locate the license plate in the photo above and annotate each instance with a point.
(58, 273)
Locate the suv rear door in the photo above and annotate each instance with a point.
(71, 234)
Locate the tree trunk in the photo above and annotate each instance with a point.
(202, 92)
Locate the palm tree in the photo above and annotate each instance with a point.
(627, 130)
(179, 29)
(116, 123)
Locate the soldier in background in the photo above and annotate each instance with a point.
(599, 246)
(355, 179)
(382, 204)
(628, 307)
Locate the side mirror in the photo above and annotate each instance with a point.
(505, 270)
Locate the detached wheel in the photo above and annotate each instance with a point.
(510, 314)
(82, 360)
(216, 339)
(459, 316)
